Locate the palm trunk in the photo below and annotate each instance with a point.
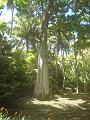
(84, 67)
(12, 20)
(76, 69)
(63, 65)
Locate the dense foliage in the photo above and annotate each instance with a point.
(68, 44)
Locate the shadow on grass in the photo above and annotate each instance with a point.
(60, 107)
(65, 106)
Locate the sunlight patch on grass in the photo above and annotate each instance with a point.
(60, 103)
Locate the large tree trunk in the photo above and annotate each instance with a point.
(42, 82)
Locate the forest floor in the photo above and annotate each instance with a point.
(65, 106)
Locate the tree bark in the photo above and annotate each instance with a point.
(42, 82)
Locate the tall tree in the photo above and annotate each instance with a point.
(42, 82)
(10, 5)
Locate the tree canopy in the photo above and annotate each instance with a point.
(45, 47)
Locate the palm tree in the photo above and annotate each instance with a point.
(10, 5)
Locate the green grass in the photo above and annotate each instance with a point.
(63, 106)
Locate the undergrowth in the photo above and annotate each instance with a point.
(4, 115)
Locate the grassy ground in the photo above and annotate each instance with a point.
(60, 107)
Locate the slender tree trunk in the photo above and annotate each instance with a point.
(84, 67)
(76, 75)
(12, 20)
(77, 88)
(56, 60)
(27, 48)
(10, 5)
(76, 69)
(63, 65)
(56, 68)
